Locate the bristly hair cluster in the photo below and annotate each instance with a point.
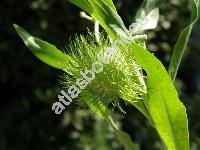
(121, 78)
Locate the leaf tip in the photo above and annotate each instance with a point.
(15, 26)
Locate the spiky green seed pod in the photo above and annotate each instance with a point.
(118, 76)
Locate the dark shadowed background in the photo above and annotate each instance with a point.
(28, 87)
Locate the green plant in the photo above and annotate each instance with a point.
(134, 74)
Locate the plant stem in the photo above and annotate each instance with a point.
(96, 31)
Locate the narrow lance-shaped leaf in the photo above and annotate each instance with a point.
(166, 110)
(181, 43)
(46, 52)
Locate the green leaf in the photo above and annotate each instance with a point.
(83, 4)
(182, 41)
(46, 52)
(110, 4)
(125, 139)
(166, 110)
(108, 18)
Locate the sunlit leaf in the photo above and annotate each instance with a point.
(46, 52)
(166, 110)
